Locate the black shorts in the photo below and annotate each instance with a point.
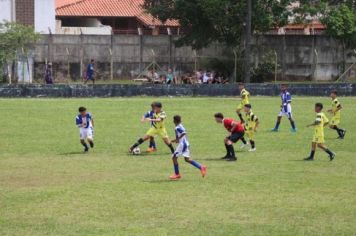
(235, 137)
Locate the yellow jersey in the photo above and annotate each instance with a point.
(159, 124)
(334, 106)
(251, 120)
(321, 121)
(245, 96)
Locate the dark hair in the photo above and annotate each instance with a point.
(319, 105)
(241, 84)
(92, 60)
(158, 104)
(177, 119)
(219, 115)
(334, 92)
(153, 104)
(82, 109)
(248, 106)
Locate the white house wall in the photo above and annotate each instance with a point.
(45, 16)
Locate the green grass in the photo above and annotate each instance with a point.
(47, 187)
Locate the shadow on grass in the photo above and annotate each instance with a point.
(158, 181)
(72, 153)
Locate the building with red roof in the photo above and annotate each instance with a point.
(123, 16)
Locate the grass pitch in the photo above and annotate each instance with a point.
(48, 187)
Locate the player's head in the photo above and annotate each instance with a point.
(247, 108)
(284, 87)
(153, 106)
(177, 119)
(241, 86)
(318, 107)
(157, 107)
(219, 117)
(333, 94)
(92, 61)
(82, 110)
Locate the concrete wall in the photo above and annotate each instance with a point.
(299, 57)
(164, 90)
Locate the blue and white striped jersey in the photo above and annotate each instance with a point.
(86, 121)
(286, 98)
(149, 115)
(179, 131)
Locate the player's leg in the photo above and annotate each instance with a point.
(278, 122)
(334, 125)
(85, 145)
(169, 144)
(139, 142)
(292, 122)
(238, 111)
(328, 151)
(152, 145)
(83, 137)
(176, 175)
(312, 152)
(227, 156)
(229, 143)
(197, 165)
(90, 138)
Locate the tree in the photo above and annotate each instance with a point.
(13, 39)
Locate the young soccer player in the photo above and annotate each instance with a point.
(251, 126)
(149, 115)
(236, 132)
(85, 123)
(245, 96)
(158, 128)
(336, 115)
(183, 150)
(286, 109)
(318, 140)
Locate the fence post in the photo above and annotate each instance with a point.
(235, 65)
(315, 66)
(68, 65)
(275, 66)
(111, 65)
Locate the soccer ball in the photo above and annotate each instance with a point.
(136, 151)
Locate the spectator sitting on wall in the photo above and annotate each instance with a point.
(199, 75)
(188, 78)
(90, 72)
(153, 76)
(48, 74)
(219, 78)
(207, 77)
(170, 78)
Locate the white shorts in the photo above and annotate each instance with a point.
(86, 134)
(182, 150)
(286, 111)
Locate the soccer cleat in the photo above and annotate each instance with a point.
(252, 150)
(150, 150)
(91, 145)
(309, 159)
(243, 146)
(343, 134)
(274, 130)
(203, 171)
(86, 149)
(332, 156)
(293, 130)
(175, 177)
(225, 157)
(232, 159)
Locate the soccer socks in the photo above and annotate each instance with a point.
(312, 153)
(330, 153)
(86, 148)
(292, 123)
(252, 144)
(231, 151)
(176, 169)
(171, 148)
(243, 140)
(195, 164)
(139, 142)
(277, 125)
(152, 144)
(339, 131)
(91, 143)
(227, 150)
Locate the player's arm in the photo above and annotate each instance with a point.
(233, 126)
(145, 117)
(178, 138)
(92, 122)
(257, 124)
(316, 122)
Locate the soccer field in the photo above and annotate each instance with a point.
(49, 187)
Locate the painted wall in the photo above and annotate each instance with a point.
(45, 16)
(6, 12)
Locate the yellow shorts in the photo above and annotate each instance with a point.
(335, 121)
(318, 139)
(250, 134)
(157, 132)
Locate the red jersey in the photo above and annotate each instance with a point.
(229, 123)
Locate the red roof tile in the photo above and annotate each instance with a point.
(109, 8)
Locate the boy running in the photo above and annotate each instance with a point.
(236, 132)
(245, 96)
(251, 126)
(183, 150)
(286, 109)
(336, 115)
(85, 123)
(149, 115)
(318, 140)
(158, 128)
